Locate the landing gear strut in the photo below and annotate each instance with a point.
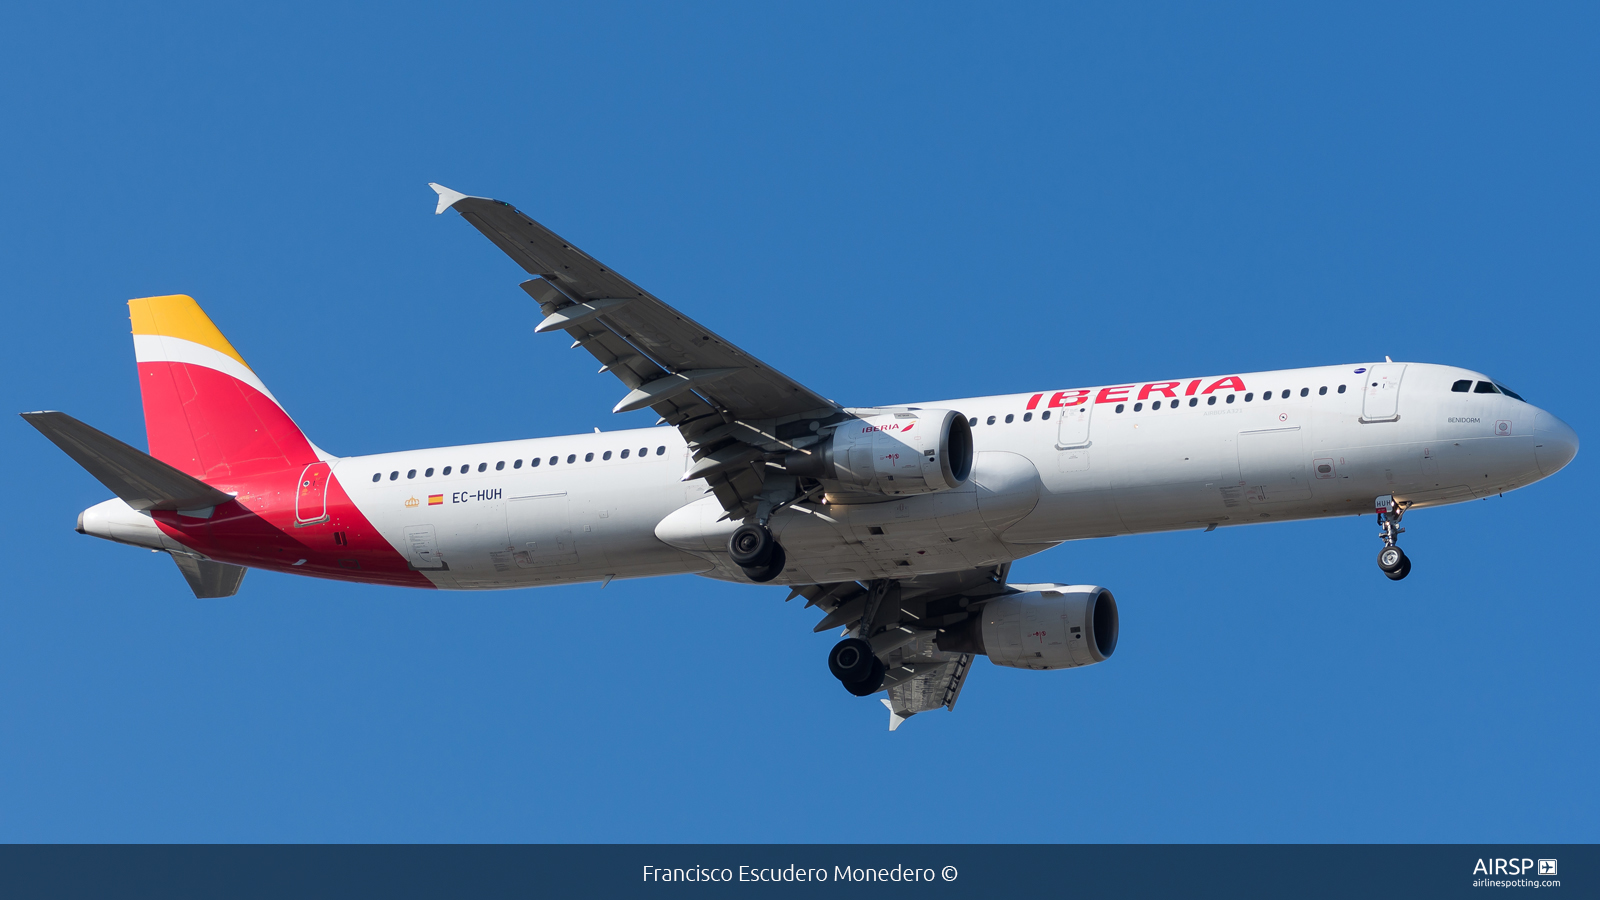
(1391, 559)
(757, 552)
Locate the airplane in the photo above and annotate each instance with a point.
(899, 523)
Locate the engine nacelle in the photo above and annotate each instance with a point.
(1054, 626)
(910, 452)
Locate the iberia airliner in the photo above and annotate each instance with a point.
(899, 523)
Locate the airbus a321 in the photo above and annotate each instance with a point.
(898, 523)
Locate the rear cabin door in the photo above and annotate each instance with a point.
(1380, 400)
(1072, 438)
(311, 496)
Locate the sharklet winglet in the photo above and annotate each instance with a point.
(894, 718)
(447, 197)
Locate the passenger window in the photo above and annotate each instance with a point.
(533, 463)
(482, 466)
(990, 420)
(1194, 401)
(1305, 391)
(1285, 394)
(1341, 388)
(1009, 417)
(517, 464)
(1322, 390)
(376, 476)
(606, 455)
(393, 475)
(644, 451)
(1249, 397)
(1484, 387)
(572, 458)
(973, 422)
(1042, 416)
(1230, 397)
(500, 466)
(1156, 405)
(411, 474)
(1462, 386)
(1211, 400)
(1138, 407)
(1119, 407)
(661, 451)
(429, 473)
(624, 454)
(1027, 417)
(554, 460)
(588, 457)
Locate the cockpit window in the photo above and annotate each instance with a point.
(1485, 387)
(1462, 386)
(1509, 392)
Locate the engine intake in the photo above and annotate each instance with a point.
(1052, 627)
(911, 452)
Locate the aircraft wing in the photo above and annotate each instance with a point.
(729, 405)
(921, 677)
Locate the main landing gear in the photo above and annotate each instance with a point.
(1391, 559)
(757, 552)
(853, 660)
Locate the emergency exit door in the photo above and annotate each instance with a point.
(1072, 438)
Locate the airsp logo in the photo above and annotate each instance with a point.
(1512, 867)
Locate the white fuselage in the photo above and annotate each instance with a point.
(1102, 467)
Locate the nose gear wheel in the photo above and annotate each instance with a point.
(1391, 559)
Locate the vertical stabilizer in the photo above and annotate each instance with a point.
(205, 411)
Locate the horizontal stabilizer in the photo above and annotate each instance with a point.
(209, 580)
(141, 480)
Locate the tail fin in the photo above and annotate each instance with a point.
(205, 412)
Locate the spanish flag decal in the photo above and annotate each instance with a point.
(435, 499)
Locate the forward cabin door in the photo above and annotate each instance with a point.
(1380, 401)
(1072, 438)
(311, 495)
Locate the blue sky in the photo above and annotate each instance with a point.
(889, 204)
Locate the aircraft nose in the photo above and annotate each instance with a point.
(1555, 443)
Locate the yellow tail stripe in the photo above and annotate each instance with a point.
(179, 316)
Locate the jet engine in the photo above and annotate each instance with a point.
(907, 452)
(1054, 626)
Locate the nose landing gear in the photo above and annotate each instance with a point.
(1391, 559)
